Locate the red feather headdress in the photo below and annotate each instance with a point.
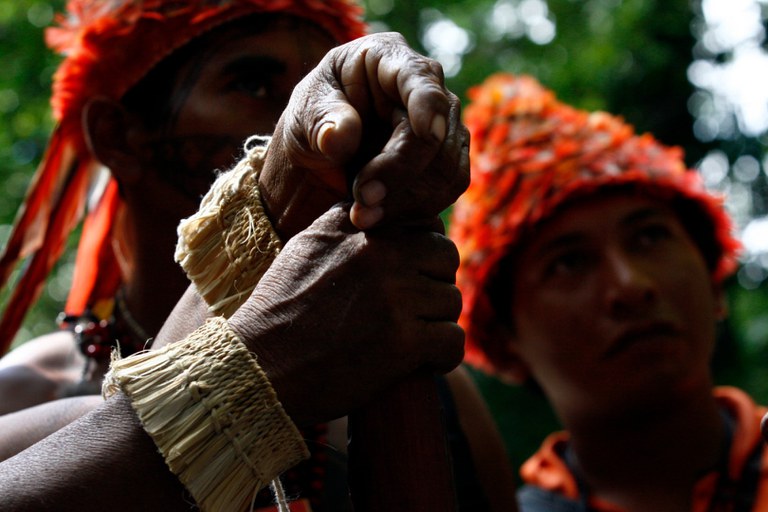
(109, 46)
(530, 154)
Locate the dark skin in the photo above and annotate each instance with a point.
(225, 86)
(317, 270)
(613, 314)
(246, 74)
(234, 84)
(388, 329)
(418, 144)
(217, 102)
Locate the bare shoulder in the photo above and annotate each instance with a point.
(40, 370)
(468, 397)
(488, 451)
(48, 352)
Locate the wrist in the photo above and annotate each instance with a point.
(211, 411)
(226, 246)
(294, 204)
(298, 186)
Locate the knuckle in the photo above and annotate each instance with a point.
(450, 252)
(456, 304)
(395, 37)
(383, 42)
(458, 344)
(452, 350)
(455, 102)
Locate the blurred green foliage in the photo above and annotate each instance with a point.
(629, 57)
(25, 123)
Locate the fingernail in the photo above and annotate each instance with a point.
(322, 134)
(372, 192)
(438, 127)
(369, 217)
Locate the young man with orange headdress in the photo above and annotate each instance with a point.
(592, 264)
(163, 94)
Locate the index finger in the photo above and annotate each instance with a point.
(393, 75)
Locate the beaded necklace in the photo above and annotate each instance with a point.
(107, 325)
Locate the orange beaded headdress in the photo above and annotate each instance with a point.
(530, 154)
(108, 47)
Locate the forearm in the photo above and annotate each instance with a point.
(24, 428)
(226, 435)
(103, 461)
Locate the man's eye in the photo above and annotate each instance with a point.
(652, 234)
(255, 86)
(567, 264)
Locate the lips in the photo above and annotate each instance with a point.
(638, 334)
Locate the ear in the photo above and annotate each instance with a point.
(511, 366)
(109, 131)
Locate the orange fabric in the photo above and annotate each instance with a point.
(41, 231)
(545, 469)
(531, 153)
(109, 46)
(96, 272)
(32, 218)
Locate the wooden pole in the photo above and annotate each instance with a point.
(398, 456)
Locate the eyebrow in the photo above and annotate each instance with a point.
(633, 217)
(558, 243)
(264, 63)
(642, 214)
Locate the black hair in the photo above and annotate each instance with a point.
(694, 218)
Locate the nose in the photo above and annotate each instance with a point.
(629, 287)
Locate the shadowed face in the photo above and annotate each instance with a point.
(613, 307)
(235, 84)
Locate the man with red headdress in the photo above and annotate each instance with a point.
(592, 263)
(163, 94)
(131, 95)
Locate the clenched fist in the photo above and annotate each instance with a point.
(372, 122)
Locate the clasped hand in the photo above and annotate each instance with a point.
(345, 310)
(373, 122)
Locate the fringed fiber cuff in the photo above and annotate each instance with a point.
(213, 415)
(226, 247)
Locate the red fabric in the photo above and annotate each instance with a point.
(545, 469)
(531, 153)
(109, 46)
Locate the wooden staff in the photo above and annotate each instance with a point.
(398, 456)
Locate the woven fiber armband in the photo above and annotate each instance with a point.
(213, 415)
(226, 246)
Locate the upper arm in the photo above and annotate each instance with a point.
(189, 313)
(22, 429)
(38, 371)
(102, 461)
(489, 455)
